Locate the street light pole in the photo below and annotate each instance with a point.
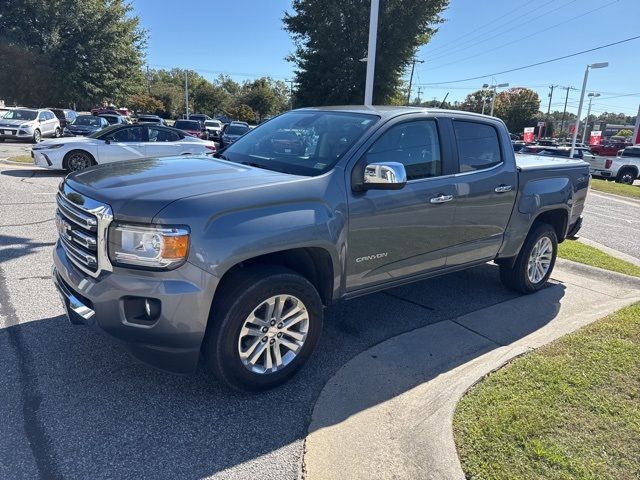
(584, 132)
(371, 52)
(493, 97)
(186, 93)
(584, 88)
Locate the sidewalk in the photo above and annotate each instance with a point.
(388, 412)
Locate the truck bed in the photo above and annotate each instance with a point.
(539, 162)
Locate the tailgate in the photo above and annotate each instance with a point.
(595, 161)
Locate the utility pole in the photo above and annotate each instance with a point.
(148, 82)
(564, 112)
(419, 92)
(546, 120)
(186, 93)
(371, 52)
(493, 97)
(290, 82)
(413, 66)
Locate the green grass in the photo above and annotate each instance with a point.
(581, 253)
(570, 410)
(21, 158)
(631, 191)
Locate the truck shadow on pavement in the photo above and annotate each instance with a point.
(33, 172)
(101, 414)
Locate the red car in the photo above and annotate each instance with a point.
(609, 149)
(192, 127)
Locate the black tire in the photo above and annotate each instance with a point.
(241, 295)
(77, 160)
(37, 136)
(516, 277)
(57, 133)
(626, 176)
(1, 140)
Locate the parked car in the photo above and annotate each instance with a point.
(518, 145)
(151, 119)
(64, 115)
(608, 149)
(233, 259)
(114, 119)
(29, 124)
(85, 125)
(214, 127)
(117, 143)
(233, 132)
(624, 168)
(582, 153)
(201, 117)
(192, 127)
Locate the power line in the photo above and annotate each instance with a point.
(482, 26)
(523, 38)
(475, 41)
(538, 63)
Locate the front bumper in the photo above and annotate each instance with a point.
(47, 159)
(172, 340)
(14, 133)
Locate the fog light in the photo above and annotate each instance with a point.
(152, 308)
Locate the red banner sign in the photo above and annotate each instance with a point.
(528, 135)
(596, 136)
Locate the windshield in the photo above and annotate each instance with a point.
(89, 121)
(187, 125)
(21, 115)
(236, 130)
(300, 142)
(211, 123)
(149, 120)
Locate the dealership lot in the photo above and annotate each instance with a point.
(79, 406)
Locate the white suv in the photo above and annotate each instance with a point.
(29, 124)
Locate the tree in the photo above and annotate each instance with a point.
(265, 96)
(331, 37)
(56, 52)
(624, 133)
(518, 108)
(145, 103)
(475, 101)
(242, 112)
(211, 99)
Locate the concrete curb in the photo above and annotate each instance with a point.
(11, 162)
(388, 412)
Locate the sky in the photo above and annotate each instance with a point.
(245, 39)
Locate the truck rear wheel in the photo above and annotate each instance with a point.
(534, 264)
(263, 328)
(626, 176)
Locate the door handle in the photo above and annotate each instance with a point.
(441, 199)
(502, 189)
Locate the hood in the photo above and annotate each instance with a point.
(139, 189)
(14, 123)
(82, 128)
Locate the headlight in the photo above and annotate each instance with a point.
(50, 147)
(162, 247)
(26, 125)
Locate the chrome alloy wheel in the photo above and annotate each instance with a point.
(273, 334)
(78, 161)
(540, 260)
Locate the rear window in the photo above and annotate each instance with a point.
(187, 125)
(236, 130)
(478, 146)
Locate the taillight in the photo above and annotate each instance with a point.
(608, 163)
(211, 147)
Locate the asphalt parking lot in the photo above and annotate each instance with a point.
(74, 405)
(77, 406)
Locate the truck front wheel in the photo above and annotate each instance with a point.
(534, 264)
(263, 328)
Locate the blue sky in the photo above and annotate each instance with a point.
(245, 39)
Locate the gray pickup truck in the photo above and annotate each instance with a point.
(229, 259)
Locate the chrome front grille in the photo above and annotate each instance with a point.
(82, 227)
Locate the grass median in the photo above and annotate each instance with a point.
(631, 191)
(21, 159)
(570, 410)
(581, 253)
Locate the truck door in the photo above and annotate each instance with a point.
(486, 186)
(398, 233)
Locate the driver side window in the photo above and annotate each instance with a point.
(413, 144)
(133, 134)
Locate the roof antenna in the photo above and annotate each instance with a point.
(444, 100)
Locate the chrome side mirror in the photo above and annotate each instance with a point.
(385, 176)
